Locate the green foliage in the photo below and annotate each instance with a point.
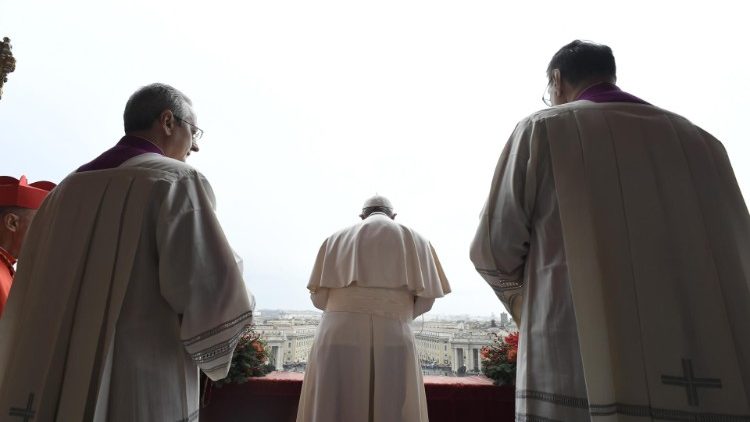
(499, 359)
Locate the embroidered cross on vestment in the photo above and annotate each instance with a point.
(690, 382)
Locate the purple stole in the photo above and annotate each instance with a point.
(128, 147)
(608, 93)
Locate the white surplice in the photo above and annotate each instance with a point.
(619, 240)
(127, 287)
(371, 280)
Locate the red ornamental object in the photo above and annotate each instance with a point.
(499, 359)
(20, 193)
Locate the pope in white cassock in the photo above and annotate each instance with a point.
(371, 279)
(617, 236)
(126, 285)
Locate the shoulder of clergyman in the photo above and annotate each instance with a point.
(182, 186)
(647, 112)
(416, 237)
(343, 235)
(542, 115)
(168, 168)
(175, 172)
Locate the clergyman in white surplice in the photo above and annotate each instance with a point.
(617, 236)
(127, 284)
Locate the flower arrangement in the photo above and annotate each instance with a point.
(250, 360)
(499, 359)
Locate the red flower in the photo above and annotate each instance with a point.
(499, 358)
(512, 339)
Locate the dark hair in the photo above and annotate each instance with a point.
(13, 210)
(583, 60)
(146, 104)
(369, 210)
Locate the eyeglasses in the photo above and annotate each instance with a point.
(197, 132)
(547, 96)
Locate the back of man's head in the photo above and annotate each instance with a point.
(377, 204)
(583, 61)
(146, 104)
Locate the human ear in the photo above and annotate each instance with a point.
(166, 121)
(11, 222)
(557, 82)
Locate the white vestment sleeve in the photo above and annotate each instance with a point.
(501, 242)
(318, 295)
(200, 278)
(319, 298)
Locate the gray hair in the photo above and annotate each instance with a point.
(367, 211)
(146, 104)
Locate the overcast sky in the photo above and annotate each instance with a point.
(309, 107)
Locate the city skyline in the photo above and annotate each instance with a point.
(444, 346)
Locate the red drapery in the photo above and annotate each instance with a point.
(275, 396)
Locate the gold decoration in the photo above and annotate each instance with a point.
(7, 62)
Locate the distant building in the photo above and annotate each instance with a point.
(433, 347)
(289, 336)
(451, 345)
(443, 347)
(466, 348)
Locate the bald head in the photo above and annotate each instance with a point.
(377, 204)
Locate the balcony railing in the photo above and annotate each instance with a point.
(275, 397)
